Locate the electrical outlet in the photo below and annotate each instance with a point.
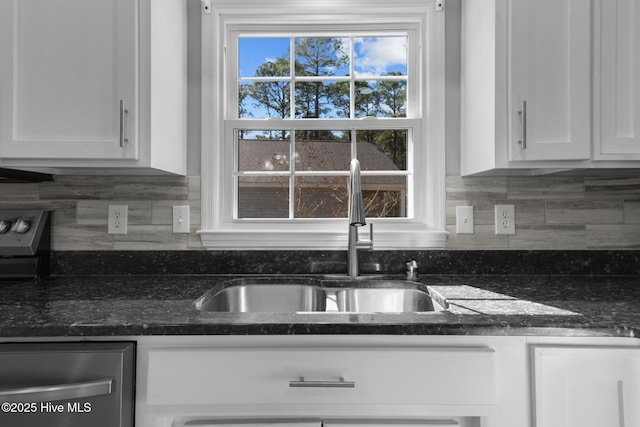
(464, 219)
(118, 218)
(505, 219)
(181, 219)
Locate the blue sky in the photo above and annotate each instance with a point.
(374, 56)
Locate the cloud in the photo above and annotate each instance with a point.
(376, 55)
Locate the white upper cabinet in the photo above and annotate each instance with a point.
(549, 85)
(78, 81)
(617, 80)
(549, 92)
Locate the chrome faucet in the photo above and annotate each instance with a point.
(356, 219)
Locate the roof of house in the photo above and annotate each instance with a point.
(274, 155)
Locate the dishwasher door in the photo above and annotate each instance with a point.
(67, 384)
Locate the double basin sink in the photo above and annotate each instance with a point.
(295, 294)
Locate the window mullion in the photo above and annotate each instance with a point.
(352, 82)
(292, 173)
(292, 73)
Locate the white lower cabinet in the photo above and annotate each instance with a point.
(409, 381)
(339, 381)
(582, 386)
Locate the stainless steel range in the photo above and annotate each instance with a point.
(25, 243)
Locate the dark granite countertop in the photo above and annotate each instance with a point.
(163, 305)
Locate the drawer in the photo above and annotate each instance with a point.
(398, 376)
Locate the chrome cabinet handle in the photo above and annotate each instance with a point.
(123, 122)
(55, 392)
(523, 122)
(339, 384)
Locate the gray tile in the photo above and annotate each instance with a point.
(548, 237)
(77, 188)
(194, 188)
(75, 238)
(613, 236)
(483, 238)
(151, 188)
(613, 187)
(545, 187)
(476, 188)
(632, 211)
(28, 191)
(150, 237)
(584, 212)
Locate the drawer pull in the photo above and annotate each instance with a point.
(48, 393)
(341, 383)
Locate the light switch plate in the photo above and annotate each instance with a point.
(181, 219)
(464, 219)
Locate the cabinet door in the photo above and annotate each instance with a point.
(550, 71)
(66, 66)
(586, 387)
(617, 76)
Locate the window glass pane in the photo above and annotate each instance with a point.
(381, 98)
(263, 56)
(263, 150)
(379, 56)
(385, 196)
(322, 56)
(322, 150)
(263, 197)
(261, 100)
(321, 197)
(382, 149)
(322, 100)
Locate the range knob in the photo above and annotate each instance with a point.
(4, 226)
(20, 226)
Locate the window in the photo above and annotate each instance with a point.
(292, 93)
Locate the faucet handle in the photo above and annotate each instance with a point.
(412, 267)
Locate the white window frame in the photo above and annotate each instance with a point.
(426, 228)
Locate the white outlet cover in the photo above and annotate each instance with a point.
(505, 219)
(118, 219)
(464, 219)
(181, 219)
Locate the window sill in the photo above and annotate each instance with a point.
(318, 240)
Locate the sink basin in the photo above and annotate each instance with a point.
(271, 298)
(330, 294)
(385, 300)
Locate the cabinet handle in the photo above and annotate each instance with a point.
(341, 383)
(57, 392)
(123, 122)
(523, 122)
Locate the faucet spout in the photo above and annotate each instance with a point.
(356, 219)
(356, 203)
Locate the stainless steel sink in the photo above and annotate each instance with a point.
(271, 298)
(385, 300)
(332, 293)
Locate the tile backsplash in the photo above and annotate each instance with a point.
(552, 212)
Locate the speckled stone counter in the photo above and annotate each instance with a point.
(163, 305)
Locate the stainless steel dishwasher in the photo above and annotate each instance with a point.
(67, 384)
